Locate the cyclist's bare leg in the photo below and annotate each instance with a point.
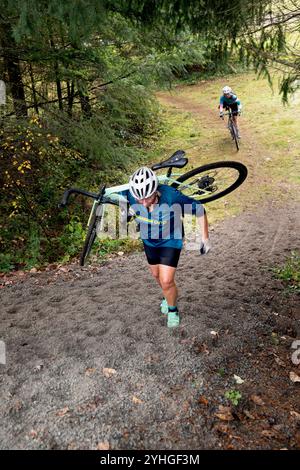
(167, 282)
(154, 268)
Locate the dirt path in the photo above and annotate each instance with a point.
(164, 389)
(62, 330)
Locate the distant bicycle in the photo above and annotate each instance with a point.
(232, 128)
(205, 183)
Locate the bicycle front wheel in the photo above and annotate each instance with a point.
(235, 136)
(212, 181)
(94, 223)
(89, 240)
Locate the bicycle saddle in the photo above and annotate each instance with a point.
(177, 160)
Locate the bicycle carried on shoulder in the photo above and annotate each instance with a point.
(205, 184)
(232, 127)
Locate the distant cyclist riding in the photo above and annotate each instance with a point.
(230, 100)
(159, 208)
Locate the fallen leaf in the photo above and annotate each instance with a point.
(294, 377)
(279, 362)
(248, 414)
(201, 348)
(224, 413)
(120, 253)
(295, 414)
(257, 400)
(63, 411)
(186, 406)
(184, 341)
(278, 427)
(238, 379)
(103, 445)
(222, 428)
(64, 270)
(136, 400)
(71, 446)
(108, 372)
(202, 400)
(16, 406)
(268, 433)
(52, 266)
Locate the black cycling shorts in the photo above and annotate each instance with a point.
(233, 107)
(162, 255)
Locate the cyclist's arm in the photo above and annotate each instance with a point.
(125, 201)
(191, 206)
(221, 104)
(118, 197)
(203, 225)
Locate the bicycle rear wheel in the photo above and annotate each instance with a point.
(212, 181)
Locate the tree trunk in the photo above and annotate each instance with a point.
(13, 70)
(70, 88)
(58, 84)
(85, 104)
(35, 101)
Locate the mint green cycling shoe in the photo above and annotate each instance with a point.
(173, 319)
(164, 306)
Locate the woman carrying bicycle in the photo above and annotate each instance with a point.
(159, 208)
(230, 100)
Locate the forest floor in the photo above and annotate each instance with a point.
(90, 362)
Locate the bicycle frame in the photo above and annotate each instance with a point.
(230, 117)
(111, 195)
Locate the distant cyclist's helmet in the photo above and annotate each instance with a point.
(143, 183)
(226, 90)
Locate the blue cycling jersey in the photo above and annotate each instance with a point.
(226, 101)
(163, 226)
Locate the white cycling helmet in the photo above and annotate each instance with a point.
(143, 183)
(227, 89)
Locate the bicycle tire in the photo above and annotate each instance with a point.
(91, 235)
(235, 137)
(230, 127)
(89, 240)
(242, 175)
